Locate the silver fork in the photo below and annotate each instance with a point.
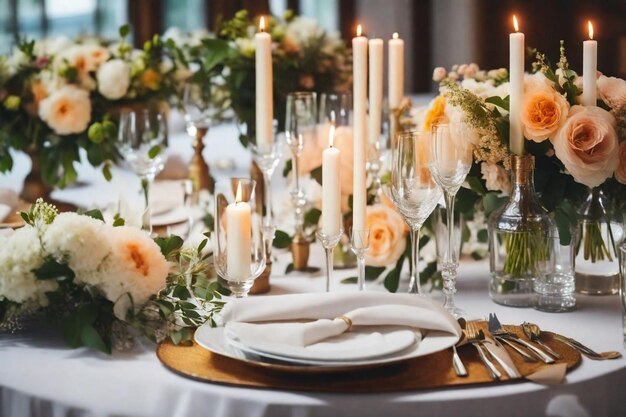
(473, 336)
(499, 333)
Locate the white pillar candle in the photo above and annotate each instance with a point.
(238, 238)
(331, 188)
(396, 71)
(359, 188)
(375, 53)
(590, 69)
(516, 76)
(264, 90)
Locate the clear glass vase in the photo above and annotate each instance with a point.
(594, 246)
(522, 240)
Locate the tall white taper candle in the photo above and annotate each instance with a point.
(590, 69)
(375, 100)
(516, 76)
(359, 94)
(264, 89)
(238, 238)
(331, 187)
(396, 71)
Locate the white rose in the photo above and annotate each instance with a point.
(113, 79)
(67, 110)
(439, 74)
(612, 91)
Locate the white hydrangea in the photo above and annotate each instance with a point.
(79, 240)
(20, 253)
(113, 79)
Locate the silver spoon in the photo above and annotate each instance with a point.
(533, 332)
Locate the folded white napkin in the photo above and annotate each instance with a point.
(327, 315)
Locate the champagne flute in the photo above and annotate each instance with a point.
(141, 138)
(336, 109)
(451, 162)
(413, 190)
(300, 124)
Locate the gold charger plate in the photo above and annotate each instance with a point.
(425, 372)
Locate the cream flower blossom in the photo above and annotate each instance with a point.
(20, 254)
(387, 236)
(67, 110)
(135, 266)
(496, 177)
(79, 240)
(612, 91)
(113, 79)
(620, 172)
(544, 110)
(587, 145)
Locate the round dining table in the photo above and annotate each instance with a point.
(40, 376)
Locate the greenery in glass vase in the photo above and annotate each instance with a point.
(305, 58)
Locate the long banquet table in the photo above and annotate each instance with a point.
(39, 376)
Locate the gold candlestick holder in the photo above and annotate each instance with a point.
(300, 249)
(199, 171)
(395, 120)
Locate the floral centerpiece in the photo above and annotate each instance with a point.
(305, 58)
(59, 96)
(103, 283)
(575, 147)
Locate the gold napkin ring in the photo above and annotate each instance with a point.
(347, 320)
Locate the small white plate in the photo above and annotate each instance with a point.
(361, 343)
(214, 340)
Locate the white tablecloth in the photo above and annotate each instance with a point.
(40, 377)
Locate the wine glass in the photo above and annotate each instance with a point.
(267, 155)
(300, 124)
(451, 161)
(141, 139)
(200, 114)
(336, 109)
(239, 247)
(413, 190)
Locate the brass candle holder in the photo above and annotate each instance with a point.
(199, 171)
(300, 250)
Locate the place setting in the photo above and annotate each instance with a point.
(288, 203)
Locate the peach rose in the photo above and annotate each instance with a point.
(496, 178)
(587, 145)
(543, 110)
(39, 92)
(612, 91)
(620, 172)
(387, 236)
(67, 110)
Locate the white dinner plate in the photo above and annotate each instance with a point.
(214, 340)
(177, 215)
(360, 343)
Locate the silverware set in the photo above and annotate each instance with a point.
(533, 351)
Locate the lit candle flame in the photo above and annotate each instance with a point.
(515, 24)
(590, 26)
(359, 30)
(262, 24)
(395, 35)
(238, 196)
(331, 135)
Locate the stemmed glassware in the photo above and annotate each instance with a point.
(239, 246)
(141, 138)
(200, 114)
(451, 162)
(360, 243)
(300, 126)
(413, 190)
(267, 155)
